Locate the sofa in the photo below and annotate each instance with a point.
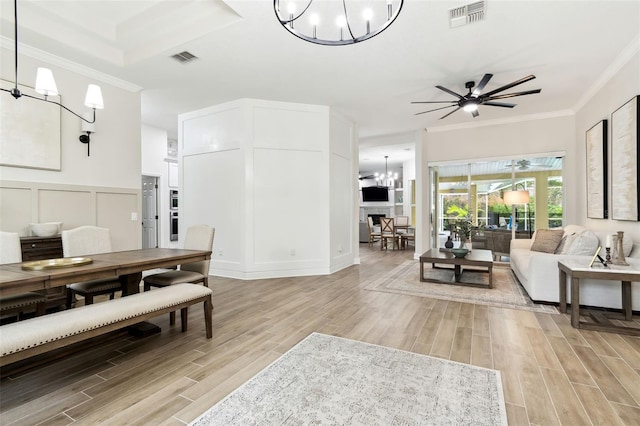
(538, 271)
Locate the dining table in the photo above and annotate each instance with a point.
(127, 266)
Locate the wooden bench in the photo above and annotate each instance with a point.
(24, 339)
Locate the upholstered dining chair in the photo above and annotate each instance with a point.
(199, 237)
(373, 234)
(388, 231)
(85, 241)
(10, 252)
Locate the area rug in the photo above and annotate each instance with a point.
(327, 380)
(506, 291)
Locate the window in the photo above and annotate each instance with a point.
(475, 190)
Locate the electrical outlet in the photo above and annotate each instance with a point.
(134, 216)
(220, 252)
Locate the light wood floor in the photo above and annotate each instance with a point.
(551, 372)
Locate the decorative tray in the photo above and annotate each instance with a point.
(65, 262)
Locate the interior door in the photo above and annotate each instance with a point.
(149, 212)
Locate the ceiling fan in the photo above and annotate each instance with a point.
(526, 164)
(471, 100)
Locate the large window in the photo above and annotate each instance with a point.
(476, 191)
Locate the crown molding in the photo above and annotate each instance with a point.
(500, 121)
(622, 59)
(41, 55)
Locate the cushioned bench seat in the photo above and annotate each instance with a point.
(31, 337)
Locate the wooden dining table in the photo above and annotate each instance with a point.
(125, 265)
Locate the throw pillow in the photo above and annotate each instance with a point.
(585, 244)
(566, 242)
(547, 240)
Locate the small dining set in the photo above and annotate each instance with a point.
(396, 230)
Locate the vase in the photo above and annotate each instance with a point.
(449, 243)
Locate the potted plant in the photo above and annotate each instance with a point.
(464, 231)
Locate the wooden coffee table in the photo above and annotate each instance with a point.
(476, 257)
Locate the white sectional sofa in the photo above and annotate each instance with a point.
(538, 273)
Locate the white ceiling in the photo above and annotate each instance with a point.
(243, 52)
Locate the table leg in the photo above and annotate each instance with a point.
(491, 276)
(626, 300)
(575, 302)
(130, 283)
(457, 273)
(422, 271)
(562, 280)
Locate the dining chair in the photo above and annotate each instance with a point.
(388, 231)
(402, 229)
(11, 252)
(199, 237)
(373, 234)
(85, 241)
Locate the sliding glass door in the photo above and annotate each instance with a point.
(475, 191)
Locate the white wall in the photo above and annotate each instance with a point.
(260, 173)
(108, 181)
(344, 246)
(623, 85)
(154, 156)
(115, 147)
(505, 139)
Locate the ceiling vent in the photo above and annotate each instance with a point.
(184, 57)
(467, 14)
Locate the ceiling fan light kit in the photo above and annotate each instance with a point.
(474, 98)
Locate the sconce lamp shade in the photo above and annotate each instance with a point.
(516, 197)
(94, 97)
(45, 84)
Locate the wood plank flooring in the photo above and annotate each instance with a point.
(551, 372)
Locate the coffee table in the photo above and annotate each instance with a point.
(476, 257)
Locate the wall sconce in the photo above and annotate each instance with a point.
(88, 128)
(46, 85)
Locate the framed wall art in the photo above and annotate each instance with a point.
(625, 157)
(597, 196)
(29, 130)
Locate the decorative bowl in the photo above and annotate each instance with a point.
(48, 229)
(459, 252)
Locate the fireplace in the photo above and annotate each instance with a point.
(376, 218)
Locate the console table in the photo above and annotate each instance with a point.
(578, 269)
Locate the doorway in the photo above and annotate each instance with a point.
(149, 212)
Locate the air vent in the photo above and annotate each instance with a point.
(184, 57)
(467, 14)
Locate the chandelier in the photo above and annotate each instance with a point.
(336, 22)
(46, 85)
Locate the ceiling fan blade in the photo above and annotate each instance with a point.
(478, 90)
(510, 85)
(450, 92)
(475, 113)
(434, 102)
(511, 95)
(446, 115)
(431, 110)
(499, 104)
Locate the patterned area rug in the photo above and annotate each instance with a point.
(334, 381)
(506, 291)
